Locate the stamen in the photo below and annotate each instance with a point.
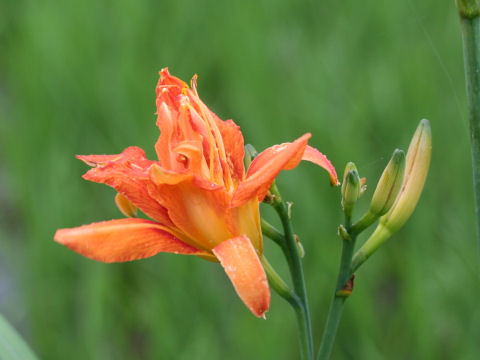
(193, 84)
(220, 146)
(217, 149)
(213, 151)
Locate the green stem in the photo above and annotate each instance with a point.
(379, 236)
(270, 231)
(367, 220)
(339, 297)
(277, 283)
(469, 11)
(292, 255)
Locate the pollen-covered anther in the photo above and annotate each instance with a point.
(193, 83)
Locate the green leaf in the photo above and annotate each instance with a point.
(12, 346)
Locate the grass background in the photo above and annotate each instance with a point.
(79, 78)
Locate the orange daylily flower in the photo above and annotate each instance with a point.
(200, 198)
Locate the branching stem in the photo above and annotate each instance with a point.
(289, 246)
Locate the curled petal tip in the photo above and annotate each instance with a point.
(313, 155)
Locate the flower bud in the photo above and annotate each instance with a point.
(416, 169)
(125, 206)
(350, 188)
(389, 184)
(348, 167)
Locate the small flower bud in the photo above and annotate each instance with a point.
(125, 206)
(350, 187)
(389, 184)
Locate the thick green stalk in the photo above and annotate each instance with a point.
(292, 255)
(469, 11)
(340, 295)
(270, 231)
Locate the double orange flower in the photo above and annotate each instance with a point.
(200, 198)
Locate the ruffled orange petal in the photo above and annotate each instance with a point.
(122, 240)
(243, 267)
(183, 117)
(265, 168)
(161, 176)
(166, 123)
(128, 174)
(169, 80)
(173, 118)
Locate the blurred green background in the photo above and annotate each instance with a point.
(79, 78)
